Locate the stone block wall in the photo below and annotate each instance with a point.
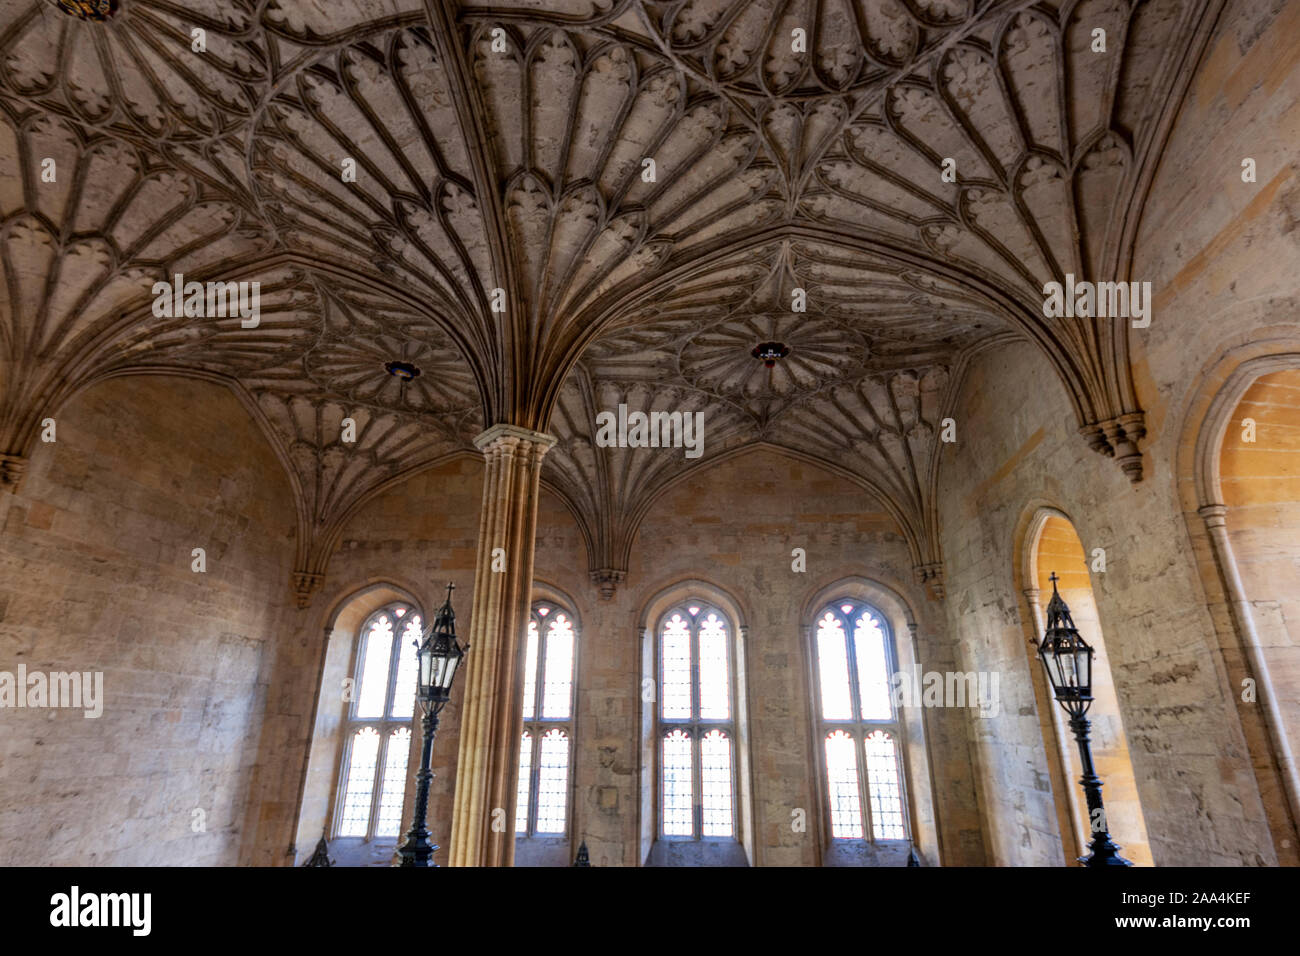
(96, 575)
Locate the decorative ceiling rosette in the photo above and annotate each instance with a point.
(381, 392)
(377, 359)
(721, 359)
(844, 395)
(860, 312)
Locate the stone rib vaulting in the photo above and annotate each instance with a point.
(476, 227)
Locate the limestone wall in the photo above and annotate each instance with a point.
(95, 575)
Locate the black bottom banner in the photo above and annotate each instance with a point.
(128, 907)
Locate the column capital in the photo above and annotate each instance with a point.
(1032, 596)
(502, 431)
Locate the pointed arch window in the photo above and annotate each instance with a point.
(853, 658)
(372, 776)
(545, 750)
(696, 724)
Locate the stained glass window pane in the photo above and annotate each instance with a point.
(530, 672)
(360, 783)
(373, 693)
(842, 781)
(557, 695)
(677, 784)
(715, 784)
(715, 683)
(552, 781)
(873, 668)
(676, 674)
(408, 668)
(393, 790)
(883, 787)
(524, 786)
(833, 662)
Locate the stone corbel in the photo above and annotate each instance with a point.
(1118, 438)
(12, 468)
(607, 580)
(930, 576)
(305, 584)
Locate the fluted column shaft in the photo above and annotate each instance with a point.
(492, 706)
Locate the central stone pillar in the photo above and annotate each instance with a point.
(483, 818)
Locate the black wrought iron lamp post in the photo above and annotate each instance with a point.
(440, 657)
(1068, 660)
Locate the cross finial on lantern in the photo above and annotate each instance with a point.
(1053, 579)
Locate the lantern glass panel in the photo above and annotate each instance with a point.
(1065, 656)
(452, 663)
(1051, 654)
(426, 667)
(439, 666)
(1083, 667)
(1051, 665)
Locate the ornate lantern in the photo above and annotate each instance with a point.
(1067, 657)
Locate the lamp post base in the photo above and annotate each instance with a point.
(1104, 854)
(417, 850)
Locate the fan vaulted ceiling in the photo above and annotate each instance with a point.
(503, 146)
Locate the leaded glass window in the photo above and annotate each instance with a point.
(372, 781)
(695, 724)
(546, 746)
(860, 728)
